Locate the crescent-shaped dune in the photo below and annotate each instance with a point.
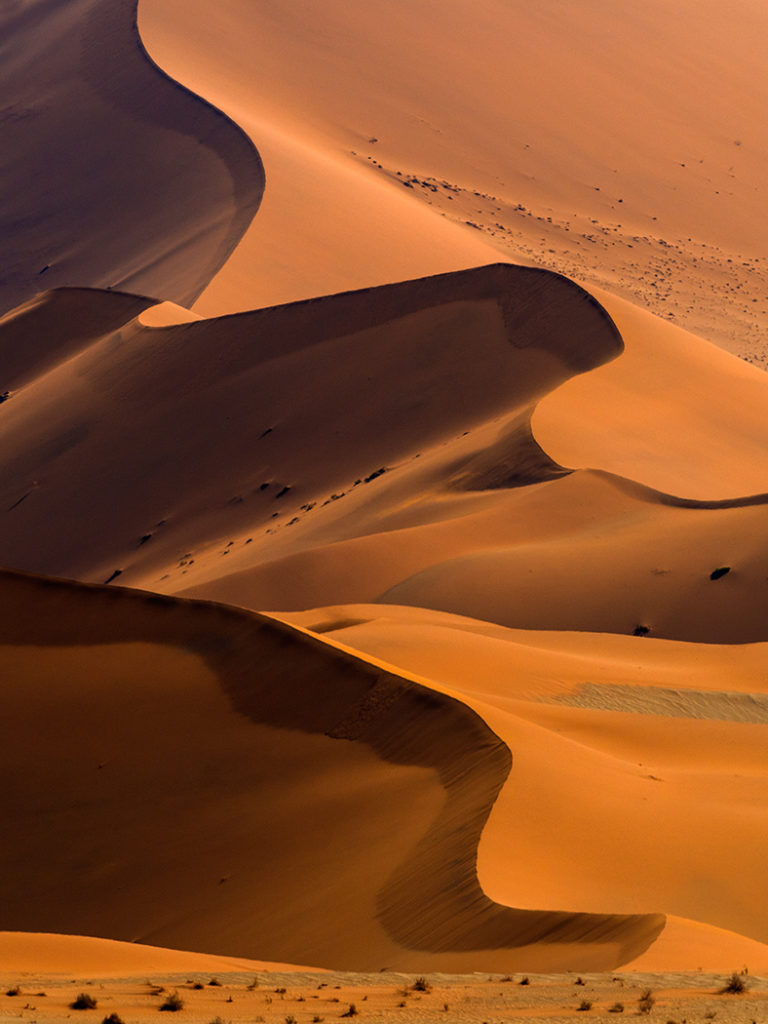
(262, 460)
(184, 777)
(418, 627)
(112, 174)
(664, 746)
(219, 424)
(625, 146)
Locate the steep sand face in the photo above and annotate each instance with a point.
(383, 781)
(228, 425)
(625, 147)
(638, 775)
(378, 445)
(259, 790)
(112, 174)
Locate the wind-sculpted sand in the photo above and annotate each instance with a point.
(361, 619)
(248, 735)
(623, 145)
(113, 175)
(421, 483)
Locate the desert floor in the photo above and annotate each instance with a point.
(298, 996)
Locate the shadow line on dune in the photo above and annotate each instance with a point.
(433, 904)
(116, 174)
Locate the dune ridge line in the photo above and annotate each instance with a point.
(432, 904)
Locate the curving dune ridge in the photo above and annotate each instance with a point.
(113, 175)
(487, 691)
(257, 704)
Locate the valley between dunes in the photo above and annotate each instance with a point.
(369, 604)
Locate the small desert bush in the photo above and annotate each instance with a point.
(351, 1012)
(15, 991)
(421, 985)
(198, 985)
(217, 1020)
(84, 1001)
(214, 981)
(290, 1019)
(113, 1018)
(525, 981)
(173, 1003)
(616, 1008)
(646, 1002)
(585, 1004)
(735, 985)
(579, 981)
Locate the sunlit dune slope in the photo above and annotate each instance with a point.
(638, 775)
(195, 776)
(624, 145)
(112, 175)
(153, 441)
(377, 445)
(45, 954)
(668, 390)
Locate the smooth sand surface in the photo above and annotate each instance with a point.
(29, 953)
(312, 805)
(177, 457)
(624, 147)
(624, 750)
(112, 175)
(403, 484)
(508, 710)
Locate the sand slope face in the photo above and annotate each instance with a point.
(669, 389)
(623, 146)
(638, 777)
(261, 793)
(30, 953)
(232, 424)
(378, 445)
(113, 175)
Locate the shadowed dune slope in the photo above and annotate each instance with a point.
(112, 175)
(154, 441)
(261, 793)
(377, 445)
(638, 765)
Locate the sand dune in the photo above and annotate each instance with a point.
(624, 147)
(248, 736)
(252, 471)
(222, 426)
(25, 953)
(509, 709)
(606, 784)
(113, 175)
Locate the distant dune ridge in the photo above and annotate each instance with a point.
(485, 688)
(111, 173)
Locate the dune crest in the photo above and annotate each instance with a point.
(629, 762)
(487, 343)
(412, 899)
